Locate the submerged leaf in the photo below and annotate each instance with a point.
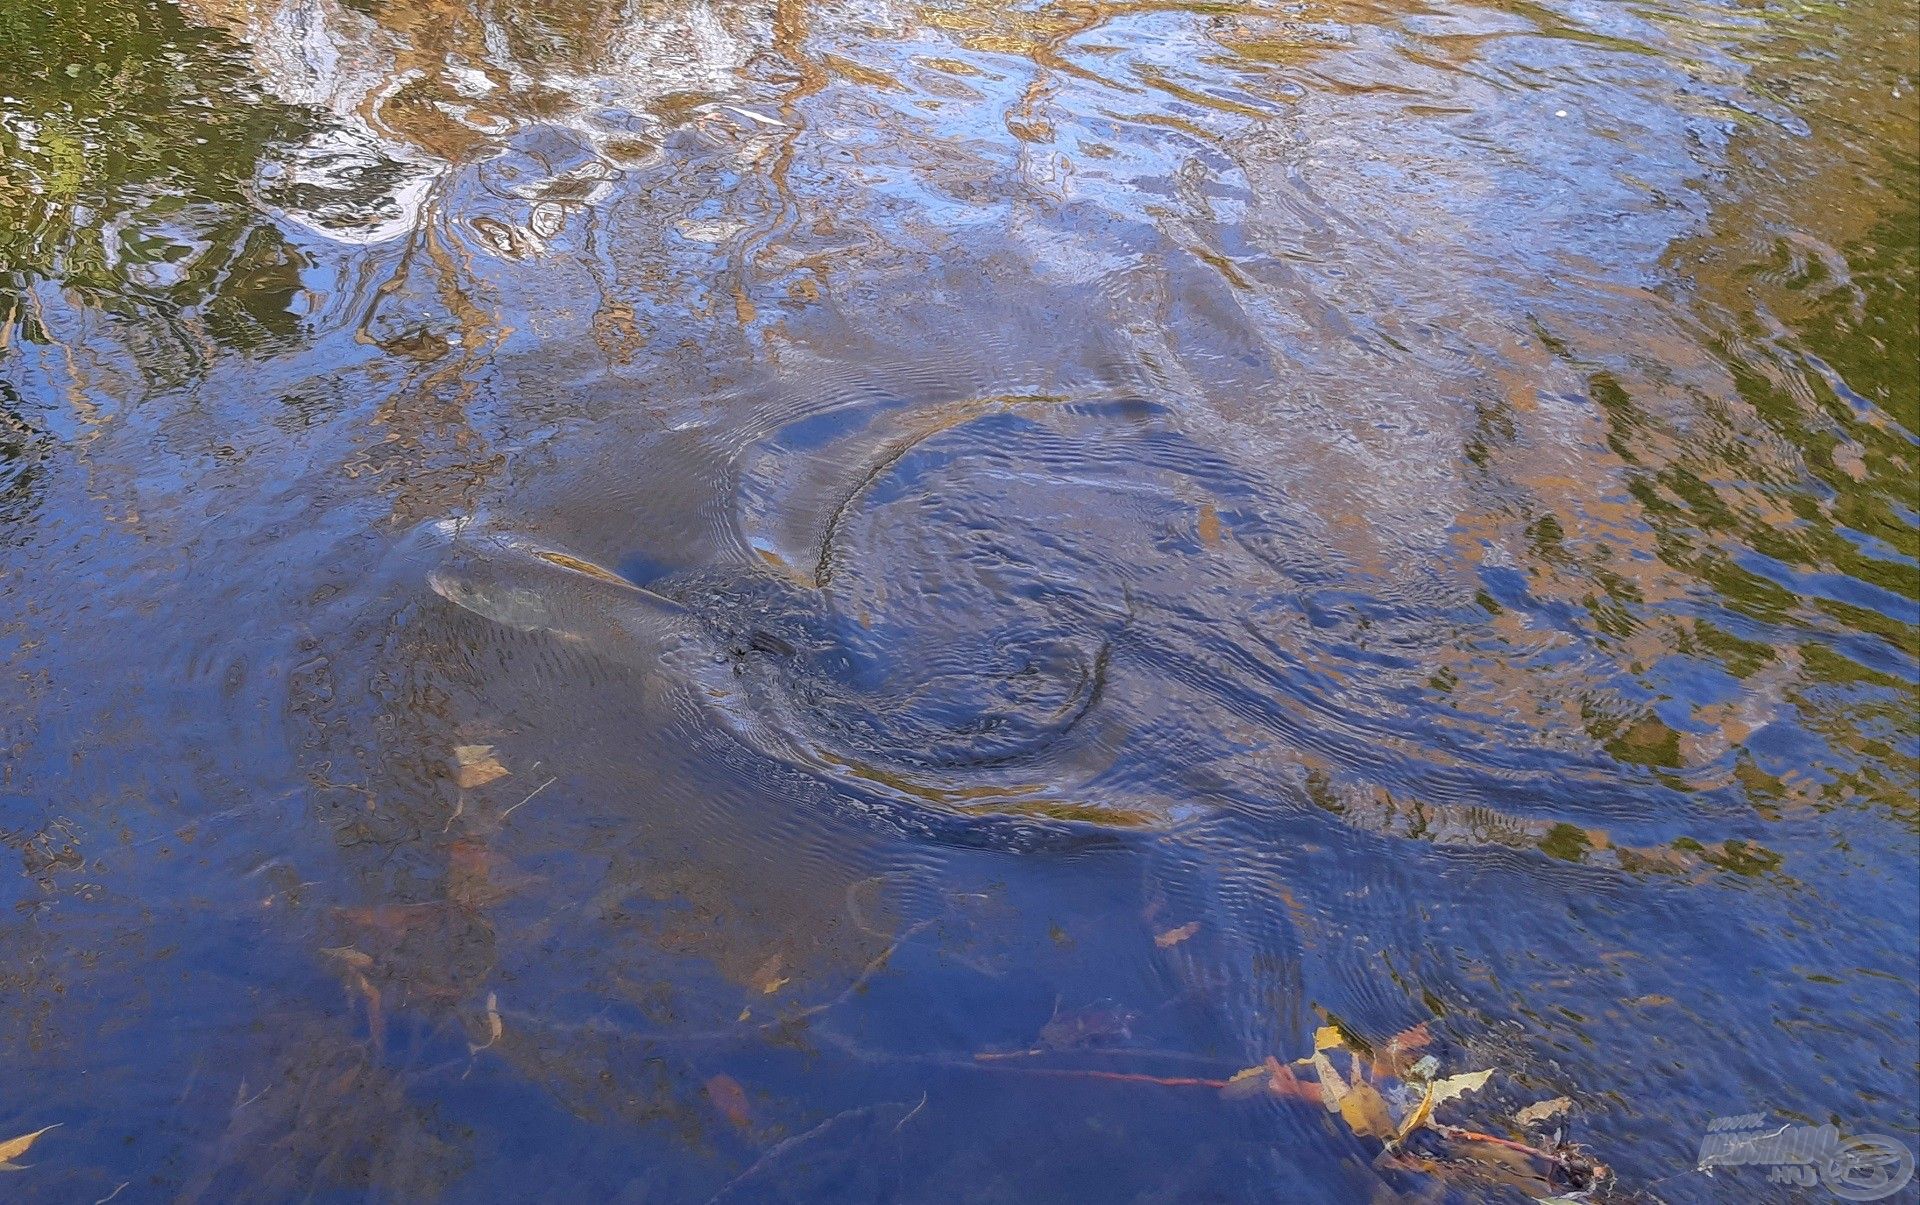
(358, 959)
(496, 1028)
(731, 1099)
(13, 1148)
(475, 765)
(1250, 1082)
(1084, 1028)
(768, 978)
(1173, 937)
(1365, 1112)
(1535, 1113)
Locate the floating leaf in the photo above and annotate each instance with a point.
(731, 1099)
(1438, 1092)
(1458, 1085)
(475, 765)
(1173, 937)
(15, 1147)
(1365, 1112)
(1250, 1082)
(1332, 1086)
(1535, 1113)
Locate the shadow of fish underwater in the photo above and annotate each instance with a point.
(934, 750)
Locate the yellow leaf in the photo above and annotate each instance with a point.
(16, 1147)
(1365, 1112)
(1456, 1085)
(1417, 1118)
(1251, 1082)
(475, 765)
(1327, 1037)
(1173, 937)
(1438, 1092)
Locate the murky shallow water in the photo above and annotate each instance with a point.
(834, 602)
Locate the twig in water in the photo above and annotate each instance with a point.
(781, 1148)
(543, 786)
(912, 1115)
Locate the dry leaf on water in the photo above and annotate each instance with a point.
(1173, 937)
(731, 1099)
(1535, 1113)
(1438, 1092)
(15, 1147)
(475, 765)
(1332, 1085)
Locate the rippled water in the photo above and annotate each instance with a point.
(841, 601)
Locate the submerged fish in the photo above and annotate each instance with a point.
(774, 664)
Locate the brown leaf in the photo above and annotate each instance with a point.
(1365, 1112)
(731, 1099)
(768, 978)
(1209, 524)
(13, 1148)
(475, 765)
(1173, 937)
(394, 918)
(495, 1027)
(1536, 1113)
(479, 878)
(1281, 1081)
(1396, 1057)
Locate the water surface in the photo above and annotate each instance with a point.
(1060, 549)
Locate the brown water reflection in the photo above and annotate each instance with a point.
(1462, 457)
